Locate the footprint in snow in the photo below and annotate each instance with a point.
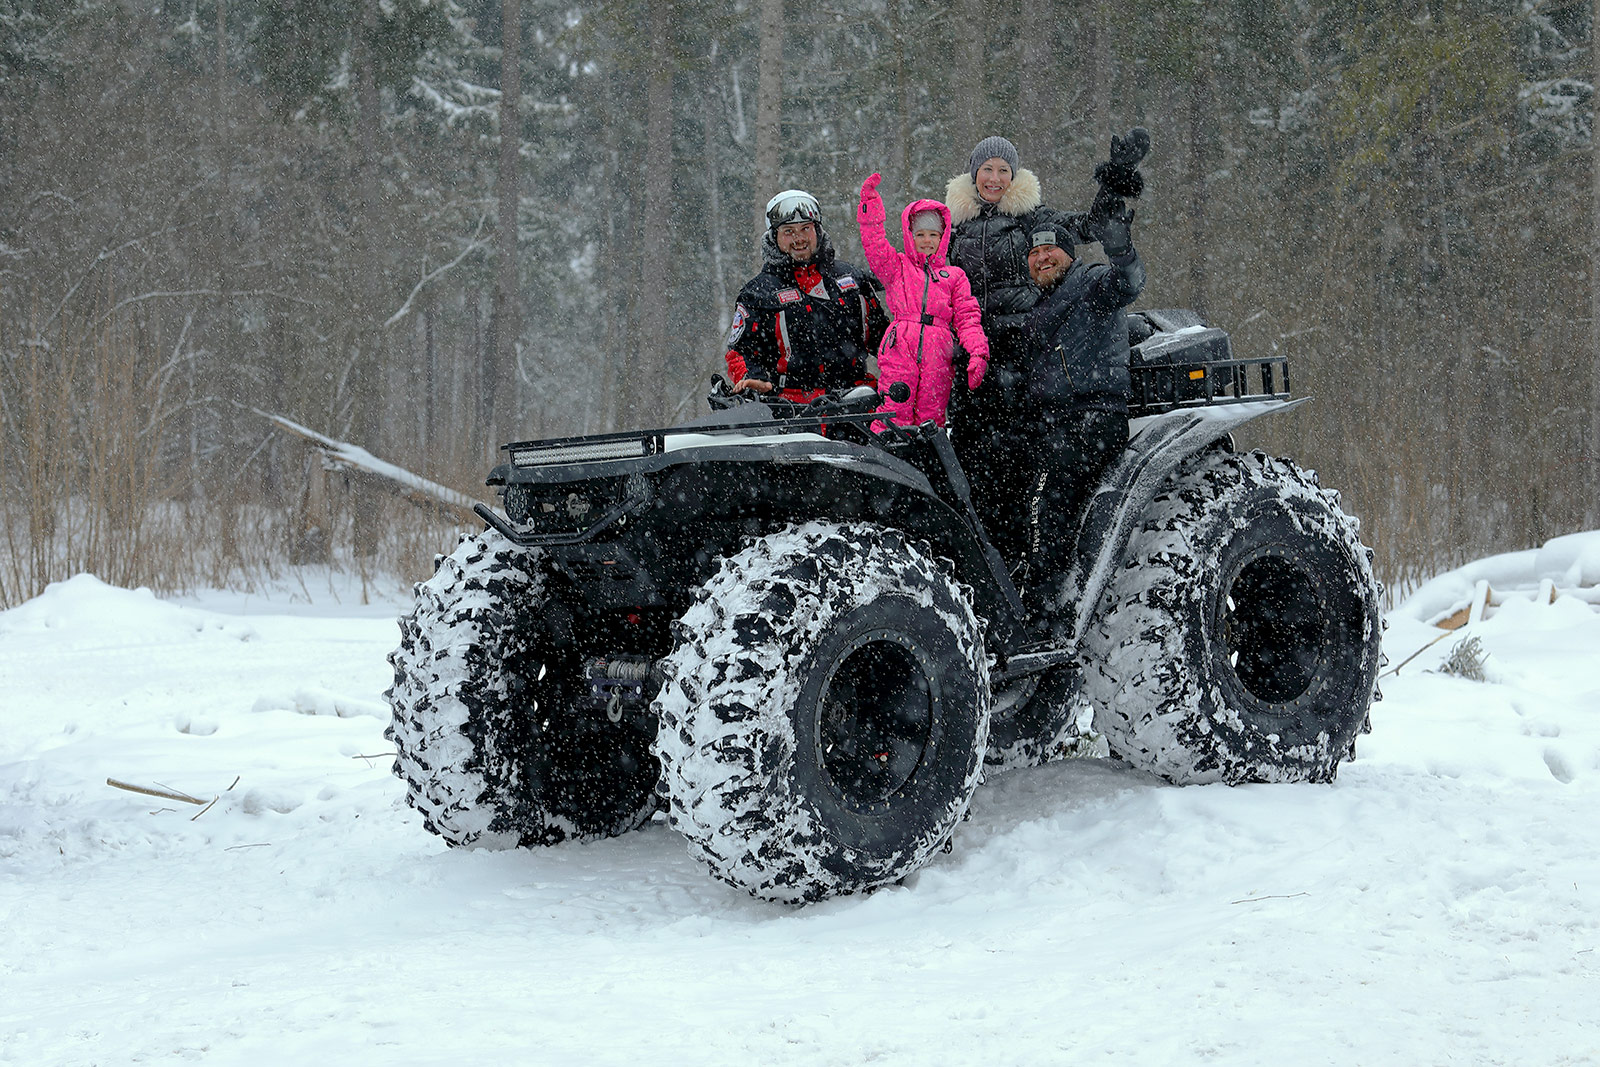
(195, 725)
(314, 700)
(261, 801)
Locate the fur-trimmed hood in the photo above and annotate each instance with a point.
(1020, 197)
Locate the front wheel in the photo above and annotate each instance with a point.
(825, 713)
(1240, 641)
(488, 734)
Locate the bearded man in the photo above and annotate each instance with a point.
(807, 323)
(1078, 383)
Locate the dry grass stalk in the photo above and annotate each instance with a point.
(1466, 660)
(96, 476)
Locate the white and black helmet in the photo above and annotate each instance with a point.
(793, 205)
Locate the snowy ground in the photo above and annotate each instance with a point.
(1439, 905)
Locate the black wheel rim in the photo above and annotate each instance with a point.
(876, 718)
(1275, 627)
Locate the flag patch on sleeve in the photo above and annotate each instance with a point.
(741, 319)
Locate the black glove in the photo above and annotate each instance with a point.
(1130, 151)
(1109, 222)
(1120, 174)
(1116, 231)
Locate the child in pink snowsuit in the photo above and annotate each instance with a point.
(932, 304)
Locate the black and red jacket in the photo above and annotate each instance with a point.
(806, 327)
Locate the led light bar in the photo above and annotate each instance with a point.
(579, 453)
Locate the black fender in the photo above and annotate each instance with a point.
(1159, 444)
(770, 477)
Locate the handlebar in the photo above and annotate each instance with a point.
(858, 399)
(850, 404)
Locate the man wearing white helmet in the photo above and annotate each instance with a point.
(807, 323)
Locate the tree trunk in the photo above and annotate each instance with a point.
(1098, 49)
(430, 389)
(1591, 457)
(769, 112)
(364, 374)
(621, 180)
(611, 254)
(1199, 141)
(719, 282)
(969, 117)
(506, 319)
(1038, 108)
(898, 176)
(648, 360)
(222, 64)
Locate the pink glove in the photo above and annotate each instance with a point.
(975, 369)
(871, 207)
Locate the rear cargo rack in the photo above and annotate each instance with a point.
(1163, 387)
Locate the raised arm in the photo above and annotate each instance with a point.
(881, 256)
(1122, 283)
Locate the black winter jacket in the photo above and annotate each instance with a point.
(991, 241)
(806, 340)
(1078, 339)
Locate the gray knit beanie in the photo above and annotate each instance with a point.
(992, 148)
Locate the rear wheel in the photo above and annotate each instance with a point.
(824, 716)
(1241, 640)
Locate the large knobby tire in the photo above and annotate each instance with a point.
(825, 712)
(1240, 642)
(493, 751)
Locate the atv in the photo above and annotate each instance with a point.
(789, 629)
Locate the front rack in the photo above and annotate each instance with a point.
(642, 443)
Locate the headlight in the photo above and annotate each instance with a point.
(580, 452)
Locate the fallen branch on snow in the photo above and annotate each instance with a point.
(413, 488)
(1274, 896)
(1396, 668)
(168, 793)
(164, 794)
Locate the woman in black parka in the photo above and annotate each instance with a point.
(994, 209)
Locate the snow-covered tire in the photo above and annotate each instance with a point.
(825, 712)
(1240, 642)
(492, 751)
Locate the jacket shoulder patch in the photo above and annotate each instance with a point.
(846, 281)
(741, 319)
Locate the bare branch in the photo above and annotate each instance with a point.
(477, 242)
(164, 794)
(162, 294)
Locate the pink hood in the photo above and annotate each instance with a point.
(910, 246)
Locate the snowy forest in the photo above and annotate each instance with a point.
(428, 227)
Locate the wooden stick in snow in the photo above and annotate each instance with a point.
(164, 794)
